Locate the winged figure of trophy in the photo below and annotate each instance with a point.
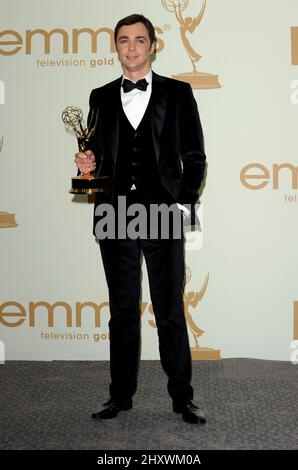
(191, 299)
(187, 26)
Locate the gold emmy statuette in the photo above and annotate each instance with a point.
(86, 183)
(191, 299)
(7, 220)
(198, 80)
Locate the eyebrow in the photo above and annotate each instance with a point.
(137, 37)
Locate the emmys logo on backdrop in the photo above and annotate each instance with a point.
(60, 314)
(188, 26)
(257, 176)
(58, 40)
(100, 42)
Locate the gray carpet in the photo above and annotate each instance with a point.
(249, 404)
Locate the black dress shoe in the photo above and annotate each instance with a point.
(111, 409)
(191, 413)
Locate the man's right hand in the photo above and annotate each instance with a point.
(85, 161)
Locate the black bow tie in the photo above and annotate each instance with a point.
(140, 85)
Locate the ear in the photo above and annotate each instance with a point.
(153, 48)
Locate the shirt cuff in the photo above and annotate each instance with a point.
(185, 210)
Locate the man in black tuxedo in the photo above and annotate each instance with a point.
(149, 142)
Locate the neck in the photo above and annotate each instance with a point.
(135, 75)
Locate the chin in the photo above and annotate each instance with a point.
(132, 68)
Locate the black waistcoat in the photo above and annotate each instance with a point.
(136, 162)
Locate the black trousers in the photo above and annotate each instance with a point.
(165, 265)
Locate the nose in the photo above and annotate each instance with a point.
(131, 45)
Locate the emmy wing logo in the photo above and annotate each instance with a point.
(191, 300)
(6, 220)
(188, 25)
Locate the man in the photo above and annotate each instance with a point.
(149, 141)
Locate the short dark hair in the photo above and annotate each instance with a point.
(132, 19)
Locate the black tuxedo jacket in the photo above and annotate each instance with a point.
(176, 132)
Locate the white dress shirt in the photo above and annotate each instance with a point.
(135, 102)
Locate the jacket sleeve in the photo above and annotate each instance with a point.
(94, 142)
(192, 151)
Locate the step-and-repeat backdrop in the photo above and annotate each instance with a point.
(241, 58)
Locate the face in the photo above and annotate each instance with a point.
(133, 47)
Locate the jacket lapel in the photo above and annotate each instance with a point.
(158, 109)
(113, 103)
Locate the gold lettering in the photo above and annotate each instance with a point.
(151, 311)
(244, 177)
(143, 308)
(97, 310)
(47, 36)
(14, 39)
(9, 42)
(3, 313)
(94, 36)
(50, 308)
(160, 44)
(277, 167)
(294, 43)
